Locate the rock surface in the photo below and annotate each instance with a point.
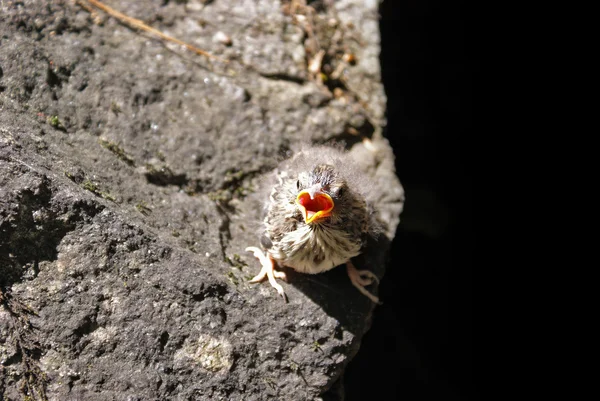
(124, 165)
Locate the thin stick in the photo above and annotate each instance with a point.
(136, 23)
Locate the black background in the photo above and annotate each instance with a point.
(420, 344)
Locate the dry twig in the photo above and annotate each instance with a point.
(138, 24)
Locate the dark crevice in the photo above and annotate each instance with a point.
(56, 75)
(352, 135)
(32, 227)
(333, 84)
(283, 77)
(164, 176)
(13, 360)
(212, 291)
(88, 326)
(52, 79)
(163, 340)
(144, 99)
(224, 231)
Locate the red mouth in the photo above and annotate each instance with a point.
(314, 209)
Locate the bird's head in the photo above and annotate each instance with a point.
(319, 192)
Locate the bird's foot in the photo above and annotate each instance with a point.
(268, 270)
(361, 278)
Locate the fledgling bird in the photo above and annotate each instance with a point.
(317, 217)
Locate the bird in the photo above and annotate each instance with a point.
(317, 216)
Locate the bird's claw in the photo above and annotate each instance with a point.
(366, 277)
(362, 278)
(280, 275)
(268, 270)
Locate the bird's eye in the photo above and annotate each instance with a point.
(340, 192)
(298, 184)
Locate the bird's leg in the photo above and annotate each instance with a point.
(268, 270)
(361, 278)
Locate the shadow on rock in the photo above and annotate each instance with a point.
(334, 292)
(32, 224)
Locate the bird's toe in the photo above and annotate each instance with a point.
(259, 277)
(361, 278)
(268, 271)
(280, 291)
(364, 281)
(280, 275)
(368, 276)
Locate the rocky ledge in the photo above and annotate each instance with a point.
(125, 163)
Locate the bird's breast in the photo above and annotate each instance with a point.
(315, 249)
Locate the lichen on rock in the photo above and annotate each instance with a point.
(213, 354)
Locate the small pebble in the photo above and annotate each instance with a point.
(222, 38)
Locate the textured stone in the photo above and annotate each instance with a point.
(125, 169)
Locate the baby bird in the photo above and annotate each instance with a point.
(317, 217)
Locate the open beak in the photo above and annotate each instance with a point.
(315, 205)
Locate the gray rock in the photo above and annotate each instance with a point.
(125, 163)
